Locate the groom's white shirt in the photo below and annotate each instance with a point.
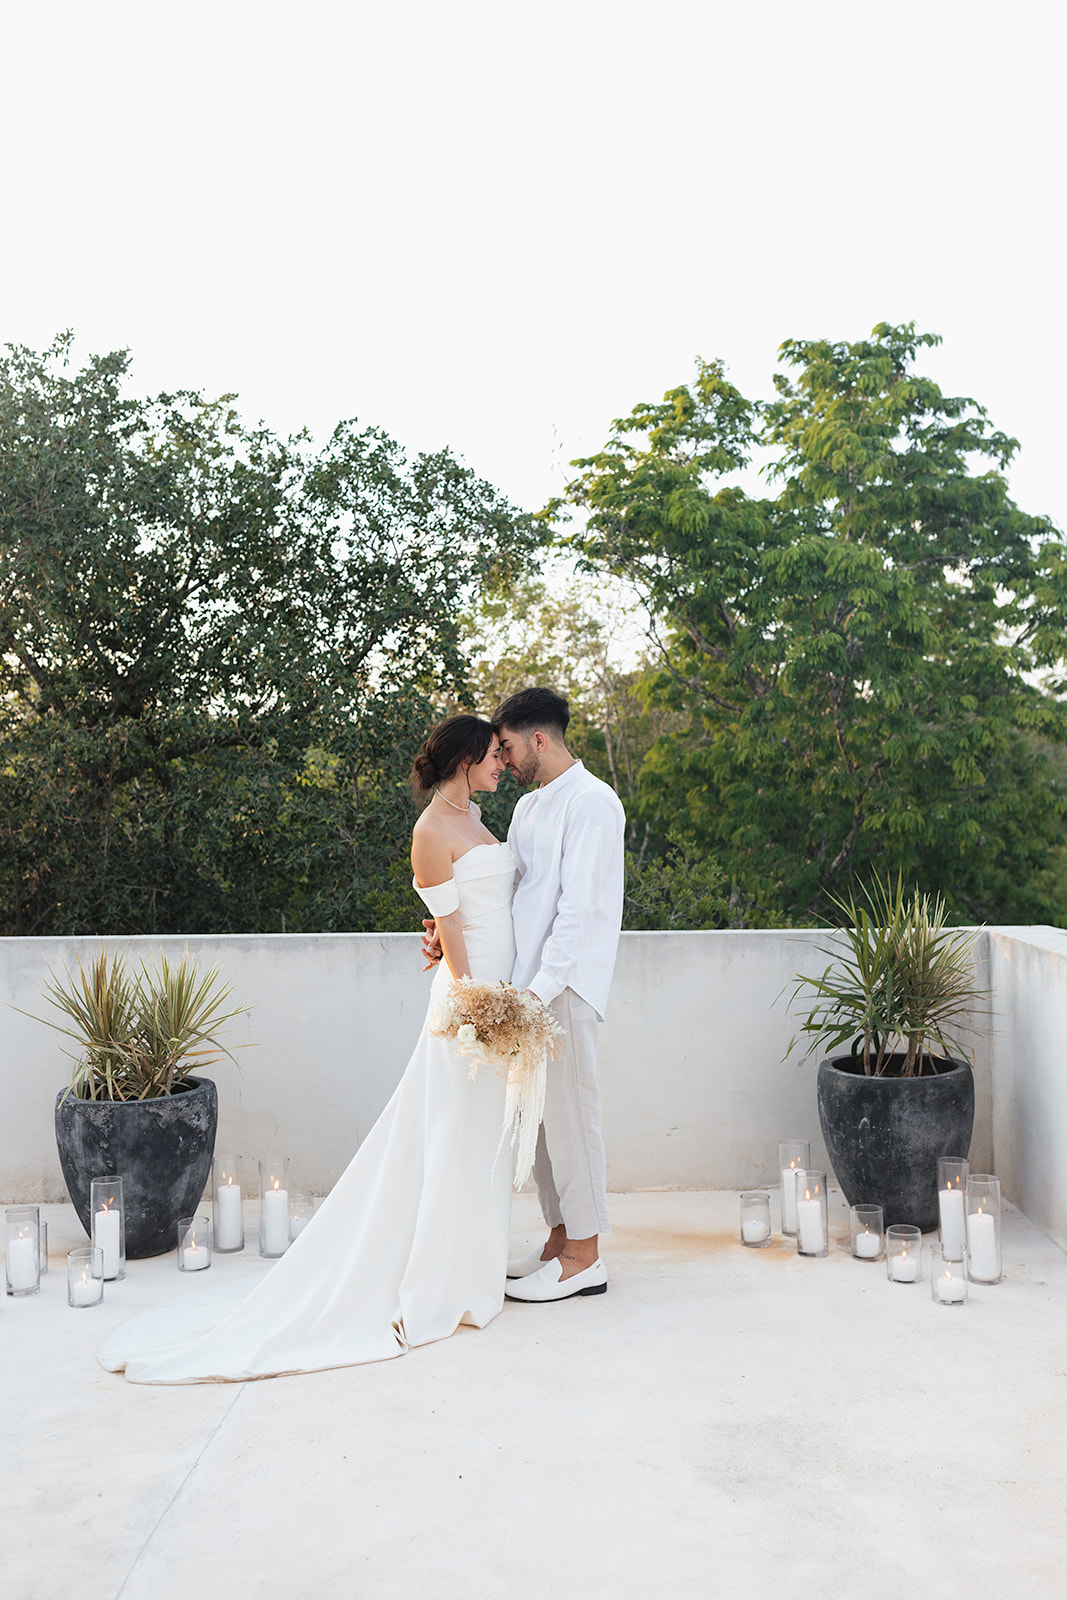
(567, 840)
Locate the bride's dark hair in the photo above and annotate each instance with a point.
(451, 743)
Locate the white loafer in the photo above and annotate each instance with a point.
(549, 1283)
(522, 1266)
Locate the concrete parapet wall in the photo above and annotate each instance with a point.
(696, 1093)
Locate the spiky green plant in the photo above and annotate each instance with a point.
(138, 1037)
(899, 982)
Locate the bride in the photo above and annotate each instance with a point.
(412, 1240)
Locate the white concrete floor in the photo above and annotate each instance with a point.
(724, 1422)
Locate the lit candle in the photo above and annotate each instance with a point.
(85, 1291)
(950, 1206)
(904, 1268)
(22, 1262)
(276, 1220)
(867, 1244)
(982, 1245)
(951, 1289)
(195, 1257)
(754, 1230)
(106, 1224)
(298, 1224)
(789, 1198)
(228, 1216)
(809, 1224)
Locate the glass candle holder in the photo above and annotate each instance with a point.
(109, 1225)
(22, 1250)
(903, 1253)
(794, 1155)
(756, 1219)
(194, 1243)
(273, 1205)
(868, 1241)
(951, 1182)
(983, 1228)
(229, 1213)
(948, 1278)
(301, 1211)
(85, 1276)
(42, 1247)
(813, 1227)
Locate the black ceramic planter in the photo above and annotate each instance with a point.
(161, 1148)
(884, 1135)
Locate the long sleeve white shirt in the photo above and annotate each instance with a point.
(567, 840)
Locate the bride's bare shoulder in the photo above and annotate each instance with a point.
(432, 852)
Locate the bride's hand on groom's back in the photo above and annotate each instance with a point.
(431, 943)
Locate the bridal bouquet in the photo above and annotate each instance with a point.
(513, 1031)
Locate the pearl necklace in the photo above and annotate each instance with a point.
(451, 803)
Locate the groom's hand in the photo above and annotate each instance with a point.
(431, 943)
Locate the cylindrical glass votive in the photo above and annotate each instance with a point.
(903, 1253)
(85, 1276)
(301, 1211)
(229, 1216)
(273, 1205)
(948, 1278)
(866, 1226)
(194, 1243)
(951, 1181)
(983, 1228)
(109, 1225)
(793, 1156)
(42, 1247)
(22, 1250)
(756, 1218)
(813, 1227)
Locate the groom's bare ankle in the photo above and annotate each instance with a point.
(554, 1244)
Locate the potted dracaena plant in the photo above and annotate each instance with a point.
(135, 1106)
(899, 992)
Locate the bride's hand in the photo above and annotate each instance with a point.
(431, 944)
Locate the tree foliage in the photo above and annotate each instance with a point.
(868, 663)
(217, 652)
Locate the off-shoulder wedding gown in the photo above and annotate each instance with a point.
(413, 1238)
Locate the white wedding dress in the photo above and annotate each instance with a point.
(413, 1238)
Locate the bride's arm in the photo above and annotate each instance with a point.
(431, 862)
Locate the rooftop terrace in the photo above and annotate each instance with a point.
(723, 1422)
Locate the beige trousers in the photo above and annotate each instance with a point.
(569, 1167)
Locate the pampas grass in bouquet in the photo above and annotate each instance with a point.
(512, 1031)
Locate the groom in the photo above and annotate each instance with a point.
(567, 840)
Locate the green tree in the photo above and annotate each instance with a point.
(860, 658)
(217, 652)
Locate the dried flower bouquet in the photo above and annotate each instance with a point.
(513, 1031)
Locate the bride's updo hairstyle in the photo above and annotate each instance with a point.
(452, 742)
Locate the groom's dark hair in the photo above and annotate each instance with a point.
(543, 709)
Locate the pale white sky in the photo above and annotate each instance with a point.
(496, 226)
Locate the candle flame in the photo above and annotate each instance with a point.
(276, 1183)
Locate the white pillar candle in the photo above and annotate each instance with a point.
(22, 1262)
(276, 1221)
(951, 1289)
(982, 1245)
(754, 1231)
(904, 1268)
(867, 1244)
(106, 1226)
(195, 1258)
(950, 1206)
(810, 1228)
(228, 1216)
(789, 1199)
(85, 1291)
